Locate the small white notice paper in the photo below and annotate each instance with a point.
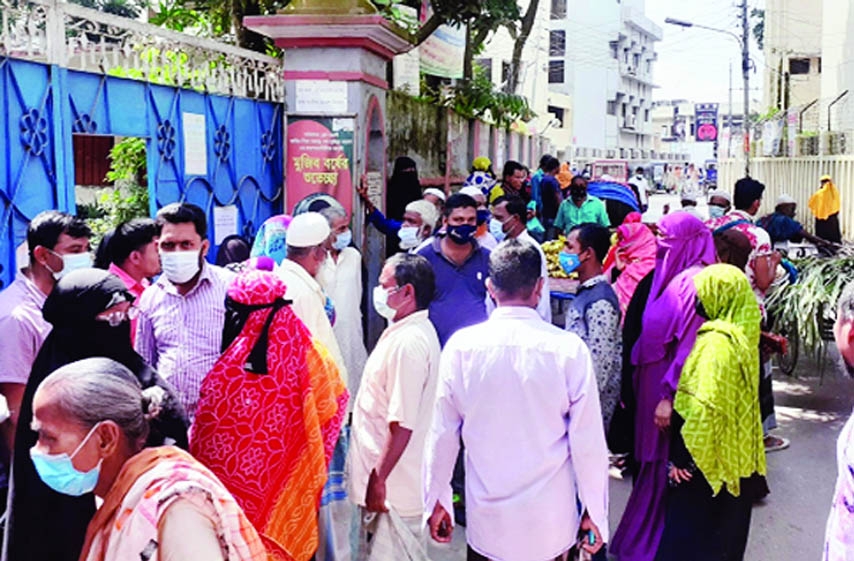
(320, 96)
(225, 222)
(195, 144)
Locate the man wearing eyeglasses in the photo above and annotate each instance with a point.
(58, 243)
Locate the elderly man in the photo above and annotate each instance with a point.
(181, 316)
(509, 221)
(461, 267)
(308, 248)
(436, 197)
(782, 226)
(522, 396)
(58, 243)
(720, 203)
(580, 208)
(394, 406)
(689, 205)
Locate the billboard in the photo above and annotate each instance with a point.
(706, 122)
(320, 159)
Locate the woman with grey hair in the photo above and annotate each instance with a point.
(92, 420)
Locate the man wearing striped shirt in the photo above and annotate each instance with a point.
(179, 330)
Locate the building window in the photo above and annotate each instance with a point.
(557, 43)
(505, 72)
(799, 66)
(818, 65)
(558, 112)
(614, 50)
(636, 61)
(558, 9)
(556, 73)
(612, 108)
(646, 115)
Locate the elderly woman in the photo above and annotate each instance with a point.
(91, 417)
(669, 327)
(89, 311)
(717, 433)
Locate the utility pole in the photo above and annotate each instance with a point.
(729, 119)
(745, 73)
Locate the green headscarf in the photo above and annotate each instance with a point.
(718, 390)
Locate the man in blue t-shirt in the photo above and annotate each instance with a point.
(782, 226)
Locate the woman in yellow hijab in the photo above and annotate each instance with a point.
(825, 205)
(716, 428)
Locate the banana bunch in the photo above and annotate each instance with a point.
(552, 249)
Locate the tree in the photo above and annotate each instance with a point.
(519, 46)
(758, 17)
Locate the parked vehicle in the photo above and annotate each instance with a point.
(617, 170)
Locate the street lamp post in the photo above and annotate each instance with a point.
(744, 43)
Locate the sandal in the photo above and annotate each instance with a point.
(774, 443)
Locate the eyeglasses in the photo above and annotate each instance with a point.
(116, 318)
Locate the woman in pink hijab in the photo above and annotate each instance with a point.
(634, 258)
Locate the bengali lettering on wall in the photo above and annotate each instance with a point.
(319, 159)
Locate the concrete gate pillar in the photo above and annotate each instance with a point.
(335, 59)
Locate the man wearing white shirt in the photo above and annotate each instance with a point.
(394, 406)
(510, 220)
(522, 396)
(308, 248)
(639, 181)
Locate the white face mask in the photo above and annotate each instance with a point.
(409, 237)
(72, 262)
(180, 266)
(343, 240)
(381, 303)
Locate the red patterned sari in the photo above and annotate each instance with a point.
(269, 415)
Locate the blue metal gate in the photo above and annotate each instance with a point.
(42, 105)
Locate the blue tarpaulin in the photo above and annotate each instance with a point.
(613, 191)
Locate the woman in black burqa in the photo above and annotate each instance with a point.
(43, 525)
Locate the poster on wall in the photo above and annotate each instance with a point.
(706, 122)
(319, 159)
(443, 52)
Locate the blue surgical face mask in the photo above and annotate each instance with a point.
(569, 262)
(58, 472)
(716, 211)
(496, 228)
(461, 234)
(343, 240)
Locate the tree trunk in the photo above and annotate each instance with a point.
(473, 44)
(525, 31)
(427, 29)
(247, 38)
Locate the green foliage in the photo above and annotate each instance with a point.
(129, 198)
(809, 306)
(478, 98)
(123, 8)
(758, 18)
(168, 68)
(391, 10)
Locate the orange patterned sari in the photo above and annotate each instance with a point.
(269, 415)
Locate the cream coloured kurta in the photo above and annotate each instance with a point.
(398, 385)
(522, 394)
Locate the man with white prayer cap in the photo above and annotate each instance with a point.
(419, 221)
(720, 203)
(308, 241)
(689, 205)
(435, 196)
(782, 226)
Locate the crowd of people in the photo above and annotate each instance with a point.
(233, 411)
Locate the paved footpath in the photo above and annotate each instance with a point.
(789, 524)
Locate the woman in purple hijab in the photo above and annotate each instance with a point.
(670, 324)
